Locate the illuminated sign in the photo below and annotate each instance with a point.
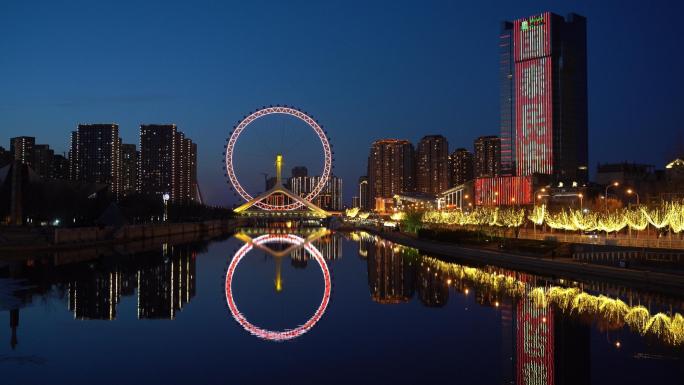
(532, 22)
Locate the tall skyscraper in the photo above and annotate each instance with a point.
(95, 155)
(487, 156)
(364, 198)
(168, 162)
(507, 99)
(390, 168)
(432, 164)
(544, 124)
(129, 169)
(461, 166)
(22, 149)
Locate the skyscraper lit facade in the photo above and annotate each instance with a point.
(390, 168)
(549, 98)
(461, 166)
(432, 164)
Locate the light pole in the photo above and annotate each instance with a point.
(166, 198)
(630, 192)
(540, 196)
(614, 184)
(581, 197)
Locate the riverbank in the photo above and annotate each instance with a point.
(23, 240)
(649, 280)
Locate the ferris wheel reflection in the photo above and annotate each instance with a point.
(294, 243)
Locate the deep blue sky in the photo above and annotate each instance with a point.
(366, 71)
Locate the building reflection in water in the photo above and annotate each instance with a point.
(539, 344)
(163, 281)
(164, 285)
(391, 273)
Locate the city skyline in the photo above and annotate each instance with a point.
(461, 81)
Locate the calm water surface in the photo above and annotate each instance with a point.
(351, 308)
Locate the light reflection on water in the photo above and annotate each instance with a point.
(409, 317)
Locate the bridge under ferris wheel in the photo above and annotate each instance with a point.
(279, 202)
(280, 196)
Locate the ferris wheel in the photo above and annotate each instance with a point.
(243, 124)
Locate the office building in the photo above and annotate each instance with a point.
(461, 164)
(432, 165)
(543, 74)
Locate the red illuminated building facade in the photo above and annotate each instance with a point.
(504, 190)
(544, 124)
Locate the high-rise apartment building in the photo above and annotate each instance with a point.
(167, 163)
(390, 168)
(432, 165)
(129, 169)
(22, 149)
(543, 74)
(487, 156)
(95, 155)
(461, 166)
(330, 198)
(42, 162)
(60, 167)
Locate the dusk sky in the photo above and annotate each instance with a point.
(394, 69)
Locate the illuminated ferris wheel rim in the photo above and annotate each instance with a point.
(290, 333)
(291, 111)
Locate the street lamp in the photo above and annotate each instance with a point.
(630, 192)
(581, 197)
(614, 184)
(166, 198)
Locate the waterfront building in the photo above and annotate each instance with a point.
(95, 155)
(461, 164)
(168, 163)
(390, 168)
(432, 164)
(543, 76)
(487, 156)
(330, 198)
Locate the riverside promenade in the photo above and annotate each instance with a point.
(27, 240)
(567, 267)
